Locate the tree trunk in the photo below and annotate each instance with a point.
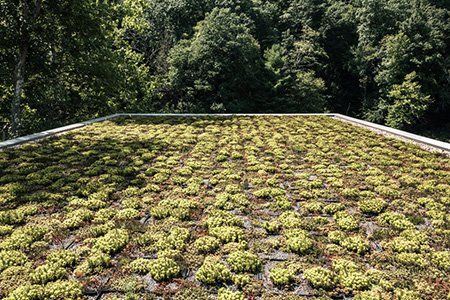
(19, 71)
(19, 76)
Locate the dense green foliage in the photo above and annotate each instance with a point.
(384, 60)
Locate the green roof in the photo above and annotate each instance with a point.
(256, 207)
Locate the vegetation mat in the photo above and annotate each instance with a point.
(262, 207)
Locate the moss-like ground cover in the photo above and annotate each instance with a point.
(227, 208)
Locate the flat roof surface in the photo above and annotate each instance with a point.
(237, 207)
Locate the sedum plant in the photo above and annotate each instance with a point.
(349, 276)
(58, 290)
(290, 219)
(225, 294)
(411, 259)
(241, 280)
(10, 258)
(206, 244)
(112, 242)
(356, 244)
(281, 276)
(141, 265)
(271, 226)
(62, 258)
(95, 261)
(175, 240)
(227, 234)
(46, 273)
(269, 192)
(346, 221)
(441, 259)
(244, 261)
(212, 272)
(76, 218)
(218, 218)
(372, 206)
(63, 290)
(396, 220)
(27, 292)
(320, 277)
(298, 241)
(163, 268)
(24, 237)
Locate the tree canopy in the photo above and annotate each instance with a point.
(383, 60)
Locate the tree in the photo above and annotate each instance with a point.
(59, 62)
(405, 103)
(27, 14)
(294, 65)
(220, 64)
(420, 46)
(340, 37)
(154, 27)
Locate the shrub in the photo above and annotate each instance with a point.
(244, 261)
(163, 269)
(405, 102)
(320, 277)
(281, 276)
(212, 272)
(206, 244)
